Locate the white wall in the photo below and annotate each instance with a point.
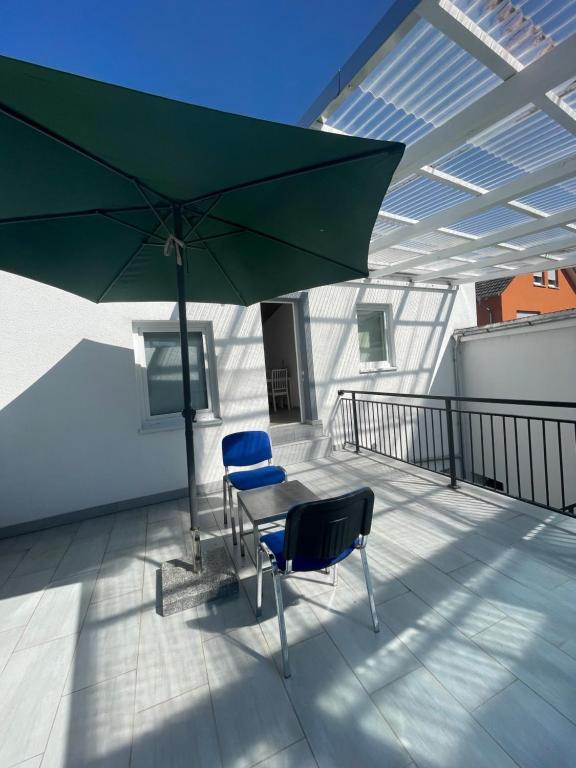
(524, 362)
(69, 413)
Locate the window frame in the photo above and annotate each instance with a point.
(164, 421)
(380, 366)
(542, 277)
(555, 278)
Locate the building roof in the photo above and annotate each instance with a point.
(484, 96)
(489, 288)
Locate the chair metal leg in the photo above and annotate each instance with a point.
(240, 509)
(259, 567)
(370, 590)
(231, 506)
(335, 575)
(224, 501)
(281, 623)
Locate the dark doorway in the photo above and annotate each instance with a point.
(281, 356)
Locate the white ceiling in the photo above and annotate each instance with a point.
(483, 93)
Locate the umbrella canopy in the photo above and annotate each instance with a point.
(105, 188)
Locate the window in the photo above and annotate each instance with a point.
(159, 362)
(538, 278)
(552, 278)
(374, 337)
(525, 313)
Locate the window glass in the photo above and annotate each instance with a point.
(164, 372)
(552, 278)
(538, 278)
(372, 336)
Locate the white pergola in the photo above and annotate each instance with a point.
(483, 94)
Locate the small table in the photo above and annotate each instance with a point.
(269, 505)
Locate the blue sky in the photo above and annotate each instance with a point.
(265, 58)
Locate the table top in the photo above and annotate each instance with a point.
(265, 505)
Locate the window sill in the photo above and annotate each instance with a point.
(170, 425)
(383, 369)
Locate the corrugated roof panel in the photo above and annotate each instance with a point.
(491, 221)
(423, 82)
(554, 199)
(523, 142)
(527, 29)
(434, 241)
(419, 197)
(541, 238)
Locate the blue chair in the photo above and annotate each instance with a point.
(245, 449)
(318, 535)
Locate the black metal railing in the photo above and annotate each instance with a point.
(525, 449)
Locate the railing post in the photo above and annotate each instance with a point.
(355, 416)
(451, 452)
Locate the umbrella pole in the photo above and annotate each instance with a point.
(188, 412)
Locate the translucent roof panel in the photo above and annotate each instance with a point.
(434, 241)
(542, 238)
(419, 197)
(423, 82)
(491, 221)
(527, 29)
(523, 142)
(384, 227)
(553, 199)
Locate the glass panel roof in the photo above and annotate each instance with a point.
(521, 143)
(541, 238)
(527, 29)
(423, 82)
(419, 197)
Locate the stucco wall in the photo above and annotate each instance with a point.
(69, 412)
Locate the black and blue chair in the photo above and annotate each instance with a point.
(318, 535)
(245, 449)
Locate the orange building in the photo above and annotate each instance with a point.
(533, 294)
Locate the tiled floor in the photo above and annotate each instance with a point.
(475, 663)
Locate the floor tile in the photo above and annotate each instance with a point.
(121, 572)
(20, 596)
(224, 615)
(532, 732)
(170, 659)
(179, 733)
(254, 717)
(376, 658)
(437, 730)
(325, 693)
(95, 526)
(296, 756)
(82, 555)
(61, 610)
(8, 563)
(30, 688)
(543, 667)
(8, 640)
(41, 558)
(127, 533)
(93, 727)
(108, 643)
(464, 669)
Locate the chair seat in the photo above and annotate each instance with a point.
(257, 478)
(275, 542)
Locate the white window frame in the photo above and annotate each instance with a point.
(204, 416)
(538, 279)
(380, 365)
(554, 273)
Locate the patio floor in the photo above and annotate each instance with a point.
(475, 663)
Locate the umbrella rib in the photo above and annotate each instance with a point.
(132, 226)
(72, 214)
(296, 172)
(15, 115)
(226, 275)
(123, 267)
(279, 240)
(203, 216)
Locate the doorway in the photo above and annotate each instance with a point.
(282, 353)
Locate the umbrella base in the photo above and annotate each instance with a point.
(181, 587)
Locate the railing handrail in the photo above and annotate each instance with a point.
(458, 399)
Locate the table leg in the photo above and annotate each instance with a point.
(259, 568)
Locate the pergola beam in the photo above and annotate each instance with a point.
(520, 230)
(543, 264)
(531, 182)
(536, 250)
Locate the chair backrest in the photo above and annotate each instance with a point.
(242, 449)
(279, 378)
(321, 530)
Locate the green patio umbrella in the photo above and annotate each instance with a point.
(117, 195)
